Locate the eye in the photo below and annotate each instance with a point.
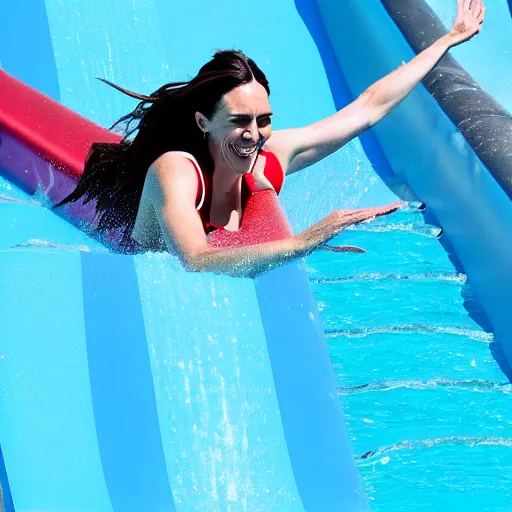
(264, 121)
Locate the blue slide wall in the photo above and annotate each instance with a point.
(424, 146)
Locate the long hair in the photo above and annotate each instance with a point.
(164, 121)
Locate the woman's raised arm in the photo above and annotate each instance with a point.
(301, 147)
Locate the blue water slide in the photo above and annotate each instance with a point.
(127, 383)
(424, 145)
(148, 388)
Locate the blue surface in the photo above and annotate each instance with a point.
(26, 47)
(6, 488)
(143, 396)
(342, 95)
(425, 402)
(216, 391)
(29, 223)
(319, 451)
(140, 47)
(47, 428)
(122, 386)
(421, 143)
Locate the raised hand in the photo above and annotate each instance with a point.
(470, 15)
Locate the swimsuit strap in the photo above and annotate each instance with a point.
(201, 189)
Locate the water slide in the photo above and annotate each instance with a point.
(128, 384)
(454, 143)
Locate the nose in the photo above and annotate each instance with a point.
(252, 134)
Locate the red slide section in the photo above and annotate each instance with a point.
(51, 130)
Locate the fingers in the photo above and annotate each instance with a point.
(356, 217)
(476, 8)
(362, 214)
(384, 210)
(393, 206)
(374, 210)
(481, 16)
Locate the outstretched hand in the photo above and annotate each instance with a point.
(324, 230)
(356, 215)
(470, 15)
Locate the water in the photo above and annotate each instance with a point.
(426, 405)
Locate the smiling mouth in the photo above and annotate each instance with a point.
(242, 152)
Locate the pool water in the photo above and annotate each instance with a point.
(426, 405)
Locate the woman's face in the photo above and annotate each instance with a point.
(239, 127)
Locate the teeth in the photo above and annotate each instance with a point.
(244, 151)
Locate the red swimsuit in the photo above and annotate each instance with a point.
(272, 171)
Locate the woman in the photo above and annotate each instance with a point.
(202, 146)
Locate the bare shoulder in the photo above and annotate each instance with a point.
(283, 144)
(173, 172)
(173, 164)
(278, 141)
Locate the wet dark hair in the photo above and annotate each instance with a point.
(114, 173)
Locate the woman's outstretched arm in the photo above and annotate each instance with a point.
(302, 147)
(173, 185)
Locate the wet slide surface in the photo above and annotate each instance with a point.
(217, 393)
(385, 313)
